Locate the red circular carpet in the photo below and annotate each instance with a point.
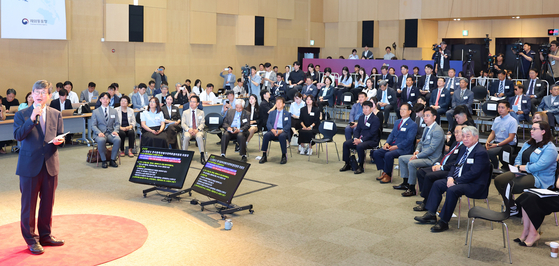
(90, 240)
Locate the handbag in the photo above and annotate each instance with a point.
(353, 162)
(92, 155)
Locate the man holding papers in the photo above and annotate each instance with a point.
(236, 124)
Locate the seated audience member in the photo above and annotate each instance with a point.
(72, 96)
(236, 124)
(427, 83)
(62, 103)
(370, 89)
(452, 82)
(378, 113)
(153, 126)
(117, 89)
(401, 84)
(344, 84)
(440, 99)
(399, 142)
(463, 96)
(187, 106)
(503, 133)
(127, 120)
(537, 158)
(540, 116)
(163, 95)
(186, 85)
(295, 111)
(181, 97)
(151, 88)
(59, 86)
(10, 99)
(534, 210)
(208, 97)
(462, 117)
(193, 123)
(172, 117)
(134, 91)
(296, 77)
(28, 102)
(114, 100)
(535, 89)
(254, 82)
(366, 137)
(469, 177)
(384, 75)
(310, 120)
(550, 106)
(228, 102)
(309, 89)
(254, 115)
(326, 94)
(278, 123)
(327, 73)
(387, 100)
(264, 109)
(87, 96)
(178, 88)
(105, 126)
(426, 176)
(354, 114)
(416, 72)
(286, 75)
(2, 118)
(140, 99)
(239, 89)
(421, 125)
(502, 87)
(520, 104)
(360, 81)
(428, 151)
(279, 88)
(408, 95)
(198, 88)
(353, 54)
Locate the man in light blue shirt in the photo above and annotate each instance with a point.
(255, 80)
(503, 133)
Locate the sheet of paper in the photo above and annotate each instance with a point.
(514, 169)
(59, 136)
(214, 120)
(506, 157)
(347, 98)
(328, 125)
(492, 107)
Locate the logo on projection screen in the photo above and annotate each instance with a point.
(24, 21)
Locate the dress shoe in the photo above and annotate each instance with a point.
(112, 163)
(409, 193)
(418, 202)
(403, 186)
(381, 176)
(202, 160)
(104, 164)
(420, 208)
(36, 249)
(386, 179)
(244, 159)
(427, 218)
(263, 159)
(51, 241)
(218, 143)
(359, 170)
(237, 147)
(346, 167)
(283, 159)
(439, 227)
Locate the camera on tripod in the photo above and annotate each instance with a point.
(470, 55)
(544, 49)
(245, 70)
(436, 47)
(518, 47)
(491, 61)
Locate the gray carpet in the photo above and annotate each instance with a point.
(314, 216)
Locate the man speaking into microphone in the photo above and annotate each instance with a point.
(37, 165)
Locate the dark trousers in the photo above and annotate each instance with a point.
(426, 177)
(387, 109)
(520, 182)
(282, 138)
(452, 195)
(440, 112)
(31, 188)
(131, 134)
(241, 139)
(348, 144)
(493, 152)
(385, 160)
(339, 92)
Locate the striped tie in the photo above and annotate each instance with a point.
(460, 164)
(106, 114)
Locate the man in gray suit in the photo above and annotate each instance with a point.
(269, 78)
(464, 96)
(228, 79)
(236, 124)
(140, 99)
(105, 126)
(428, 151)
(550, 106)
(192, 123)
(86, 96)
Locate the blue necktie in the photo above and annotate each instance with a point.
(460, 164)
(425, 134)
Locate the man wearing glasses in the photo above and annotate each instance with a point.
(520, 104)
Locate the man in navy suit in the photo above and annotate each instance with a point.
(469, 177)
(366, 137)
(386, 100)
(502, 87)
(520, 104)
(62, 103)
(408, 95)
(114, 99)
(440, 99)
(279, 125)
(38, 166)
(279, 88)
(550, 105)
(400, 142)
(426, 83)
(384, 75)
(402, 78)
(452, 82)
(309, 88)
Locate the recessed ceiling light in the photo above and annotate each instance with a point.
(517, 17)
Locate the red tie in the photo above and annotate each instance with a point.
(449, 153)
(194, 119)
(400, 125)
(517, 98)
(438, 96)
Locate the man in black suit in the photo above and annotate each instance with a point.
(408, 95)
(535, 89)
(236, 124)
(114, 101)
(384, 75)
(469, 177)
(442, 60)
(62, 103)
(402, 78)
(426, 84)
(279, 88)
(386, 100)
(428, 175)
(38, 166)
(502, 87)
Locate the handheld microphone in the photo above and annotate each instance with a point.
(37, 119)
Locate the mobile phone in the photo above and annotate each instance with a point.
(351, 123)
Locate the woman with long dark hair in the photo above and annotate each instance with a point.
(309, 120)
(153, 125)
(252, 109)
(344, 84)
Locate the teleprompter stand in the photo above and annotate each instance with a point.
(227, 208)
(175, 194)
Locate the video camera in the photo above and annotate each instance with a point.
(436, 47)
(518, 47)
(544, 49)
(491, 61)
(470, 55)
(245, 70)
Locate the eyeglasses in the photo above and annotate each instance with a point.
(534, 129)
(40, 92)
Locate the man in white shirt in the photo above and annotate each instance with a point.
(269, 78)
(208, 97)
(367, 54)
(389, 54)
(72, 96)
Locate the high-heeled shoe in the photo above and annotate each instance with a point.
(533, 244)
(518, 240)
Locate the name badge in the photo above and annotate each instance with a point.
(403, 129)
(470, 161)
(456, 151)
(555, 103)
(311, 113)
(367, 124)
(389, 97)
(427, 137)
(465, 97)
(157, 119)
(412, 94)
(310, 89)
(539, 85)
(430, 82)
(199, 117)
(244, 120)
(537, 151)
(524, 101)
(507, 87)
(285, 119)
(112, 116)
(423, 125)
(173, 110)
(443, 95)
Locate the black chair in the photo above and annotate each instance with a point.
(493, 216)
(489, 109)
(485, 197)
(213, 124)
(327, 136)
(480, 95)
(347, 103)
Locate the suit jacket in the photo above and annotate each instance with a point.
(245, 119)
(368, 131)
(84, 95)
(309, 118)
(467, 99)
(401, 80)
(452, 157)
(432, 82)
(432, 145)
(420, 127)
(449, 81)
(272, 119)
(367, 54)
(547, 105)
(116, 102)
(186, 121)
(444, 101)
(231, 82)
(34, 145)
(540, 89)
(99, 125)
(475, 171)
(329, 95)
(509, 88)
(391, 96)
(130, 116)
(279, 89)
(525, 104)
(405, 137)
(414, 94)
(56, 104)
(436, 57)
(309, 90)
(388, 77)
(158, 79)
(175, 114)
(137, 101)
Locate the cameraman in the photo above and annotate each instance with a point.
(527, 59)
(553, 61)
(442, 60)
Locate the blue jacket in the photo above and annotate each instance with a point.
(444, 101)
(525, 104)
(368, 131)
(329, 95)
(286, 120)
(356, 111)
(414, 94)
(137, 101)
(476, 171)
(508, 88)
(542, 166)
(405, 137)
(313, 91)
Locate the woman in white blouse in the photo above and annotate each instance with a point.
(197, 87)
(153, 126)
(127, 125)
(370, 89)
(253, 110)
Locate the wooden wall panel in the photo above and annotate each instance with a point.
(376, 34)
(227, 7)
(116, 23)
(367, 10)
(331, 39)
(286, 9)
(520, 8)
(123, 2)
(158, 3)
(202, 27)
(550, 7)
(318, 33)
(348, 10)
(268, 8)
(387, 12)
(331, 11)
(427, 34)
(203, 5)
(536, 27)
(410, 9)
(155, 24)
(388, 33)
(506, 27)
(435, 9)
(317, 10)
(245, 30)
(347, 35)
(464, 9)
(248, 7)
(492, 8)
(270, 31)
